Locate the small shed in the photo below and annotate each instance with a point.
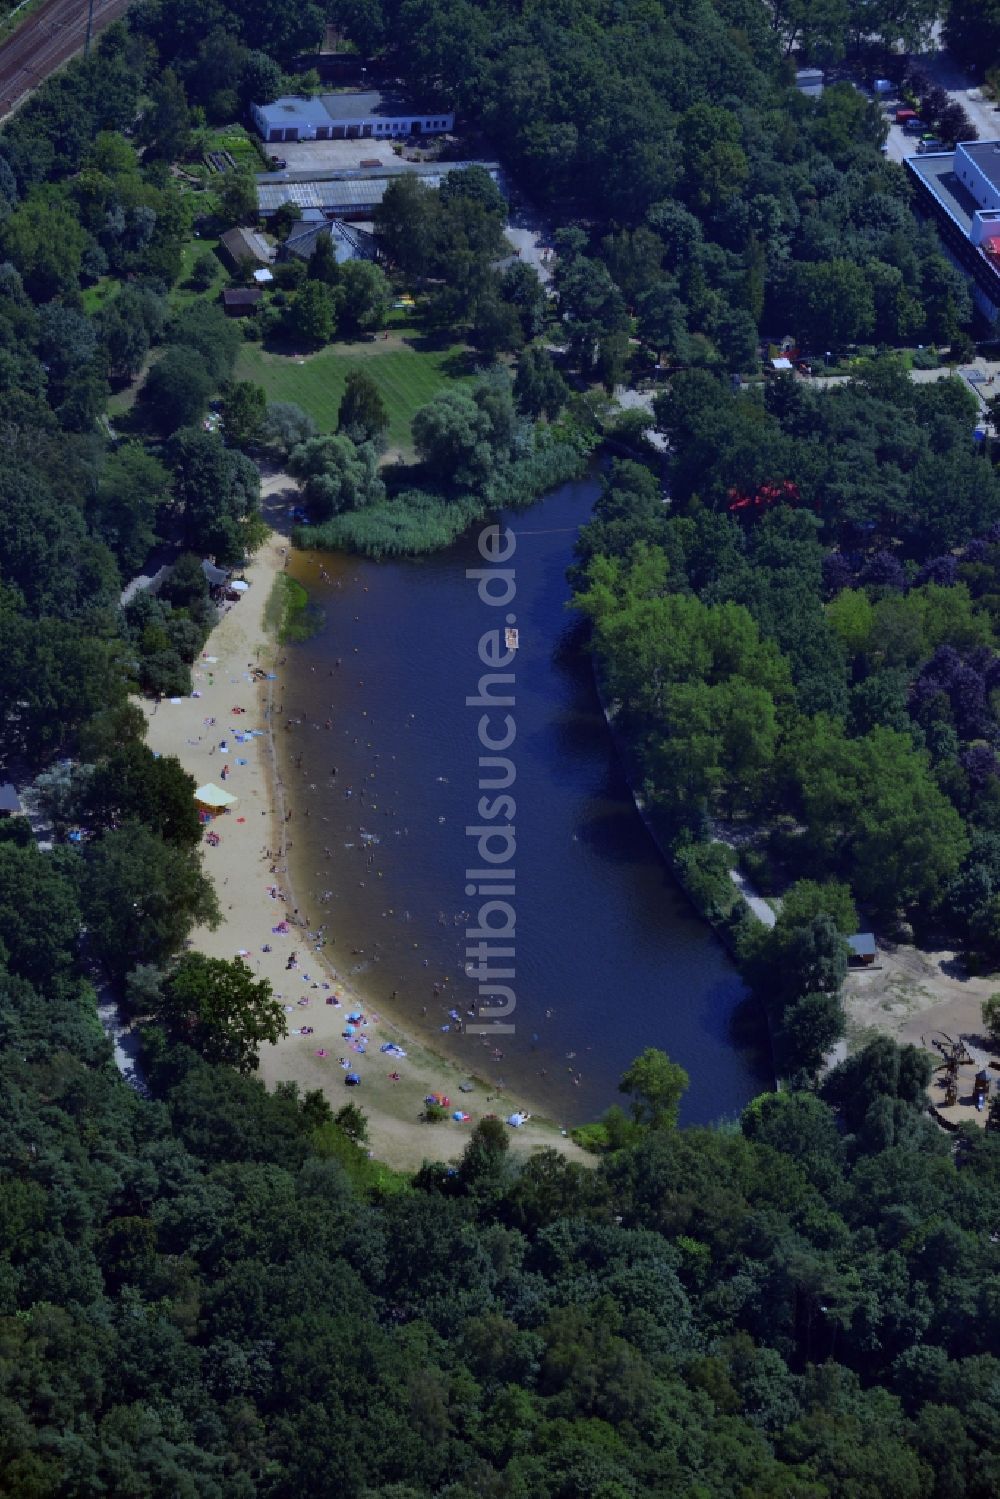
(10, 802)
(863, 949)
(809, 81)
(238, 301)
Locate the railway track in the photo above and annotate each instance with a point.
(48, 38)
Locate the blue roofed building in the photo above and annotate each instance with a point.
(351, 116)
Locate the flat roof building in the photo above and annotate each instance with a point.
(349, 194)
(354, 116)
(977, 164)
(809, 81)
(960, 189)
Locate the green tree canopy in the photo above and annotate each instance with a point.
(244, 407)
(337, 475)
(362, 414)
(218, 491)
(133, 784)
(311, 316)
(141, 897)
(220, 1009)
(655, 1085)
(176, 390)
(133, 489)
(364, 298)
(165, 127)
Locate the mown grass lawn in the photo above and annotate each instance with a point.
(407, 377)
(181, 294)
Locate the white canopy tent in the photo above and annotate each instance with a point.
(213, 797)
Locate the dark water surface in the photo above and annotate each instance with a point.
(610, 957)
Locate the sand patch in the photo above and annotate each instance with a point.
(249, 869)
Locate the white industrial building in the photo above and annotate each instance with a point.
(961, 188)
(358, 116)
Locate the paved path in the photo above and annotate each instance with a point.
(531, 235)
(642, 400)
(947, 71)
(756, 902)
(977, 374)
(125, 1043)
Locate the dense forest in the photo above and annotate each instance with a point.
(214, 1290)
(804, 643)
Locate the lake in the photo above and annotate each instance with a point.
(383, 776)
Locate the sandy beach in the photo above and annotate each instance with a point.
(250, 873)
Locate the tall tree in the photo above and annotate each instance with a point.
(165, 128)
(141, 897)
(362, 415)
(218, 491)
(175, 392)
(244, 406)
(220, 1009)
(310, 315)
(656, 1086)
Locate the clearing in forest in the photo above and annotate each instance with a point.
(407, 373)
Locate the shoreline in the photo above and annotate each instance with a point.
(193, 730)
(913, 992)
(721, 930)
(365, 980)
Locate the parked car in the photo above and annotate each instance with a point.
(929, 145)
(913, 127)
